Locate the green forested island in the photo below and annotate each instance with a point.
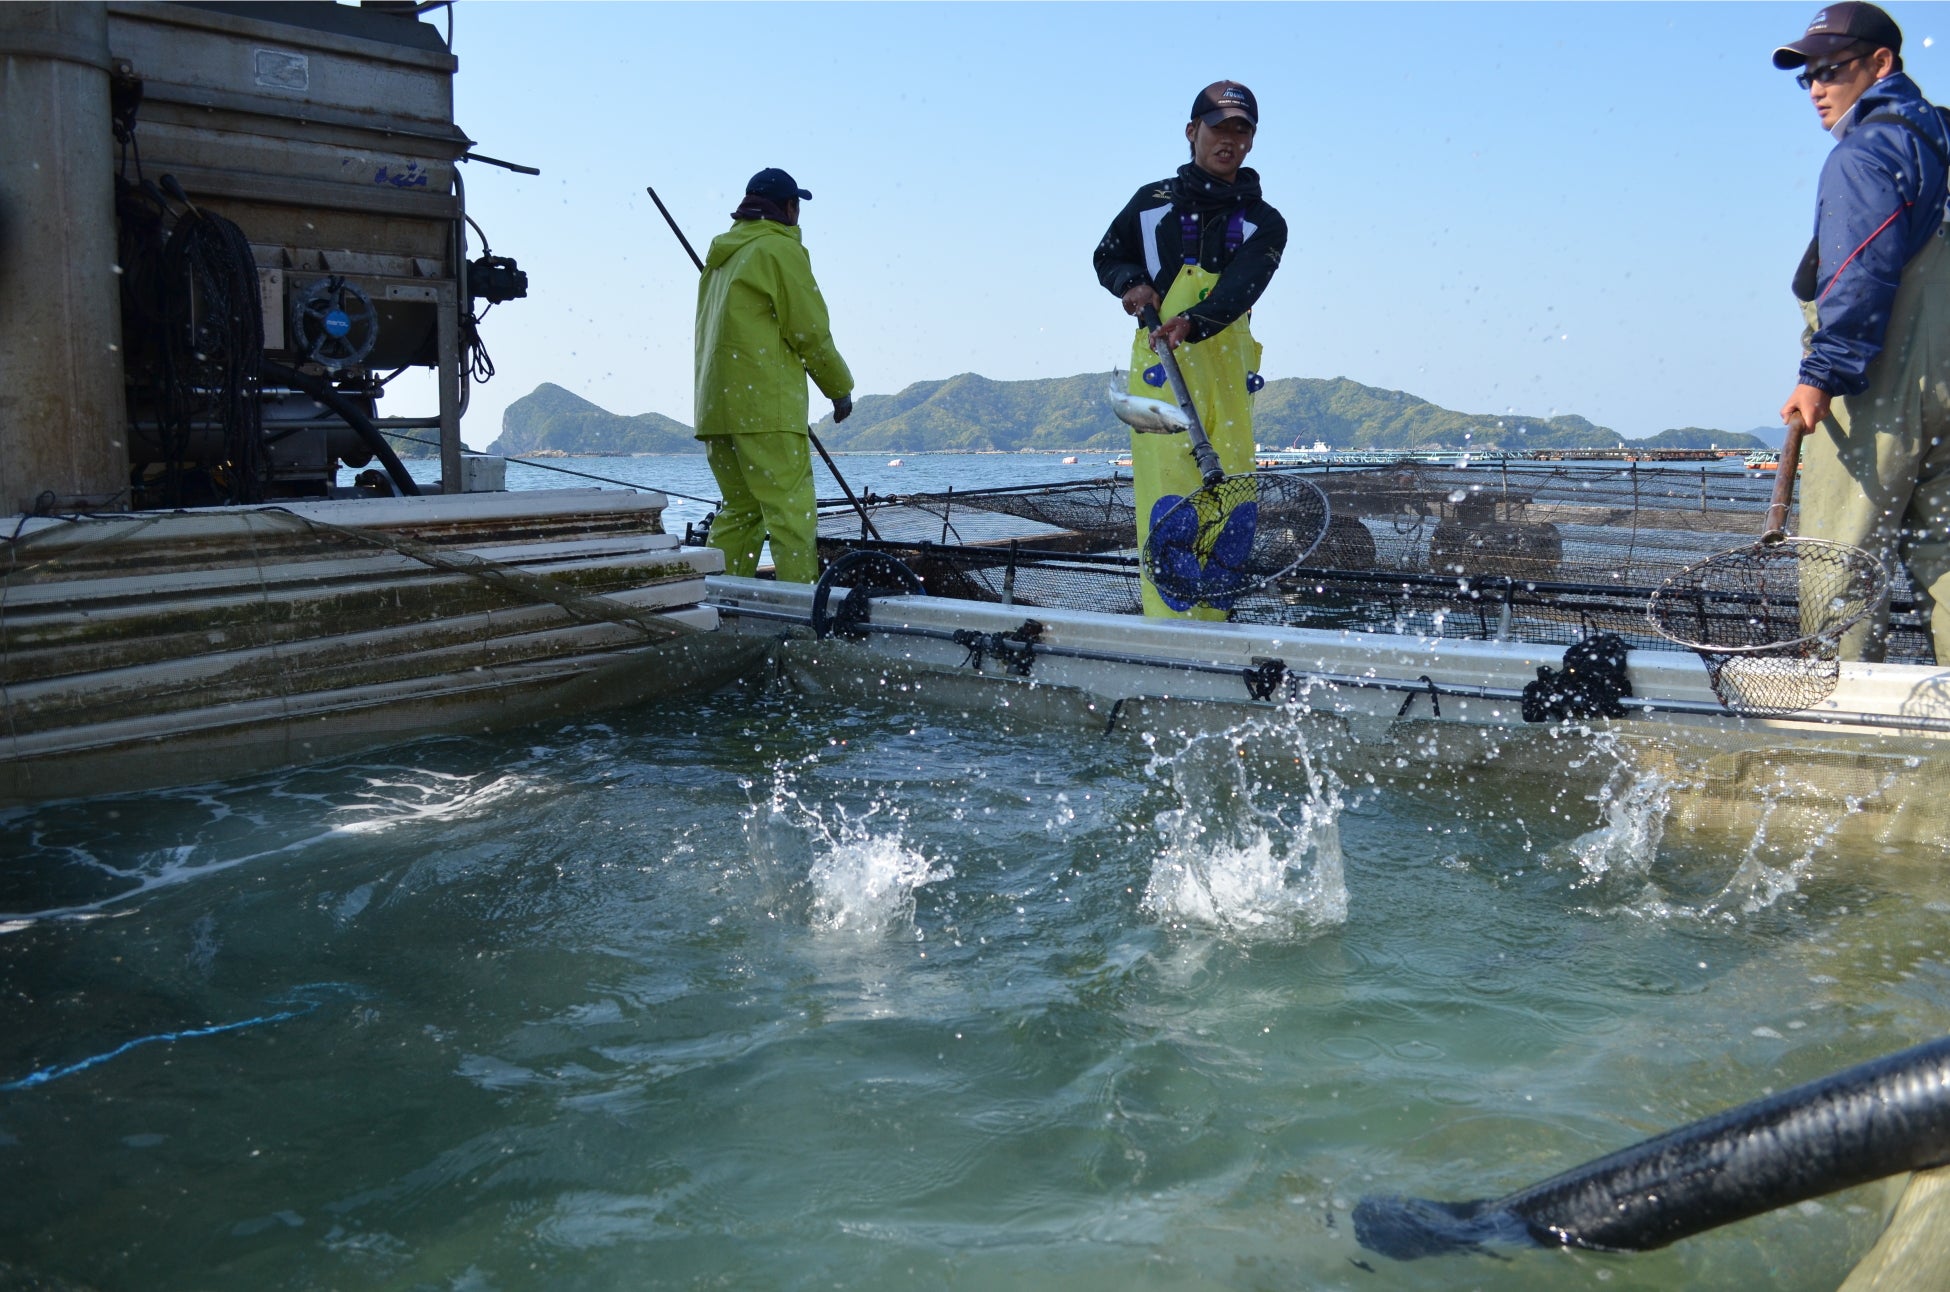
(971, 413)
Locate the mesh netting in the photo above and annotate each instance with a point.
(1015, 575)
(1092, 514)
(1102, 509)
(1232, 536)
(1768, 618)
(1773, 685)
(1547, 552)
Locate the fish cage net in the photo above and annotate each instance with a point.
(1548, 552)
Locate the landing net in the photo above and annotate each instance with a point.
(1233, 536)
(1768, 618)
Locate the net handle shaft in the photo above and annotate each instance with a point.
(1202, 451)
(1777, 510)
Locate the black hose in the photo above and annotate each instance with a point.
(1881, 1118)
(351, 414)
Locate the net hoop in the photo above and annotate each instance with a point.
(1228, 538)
(1863, 582)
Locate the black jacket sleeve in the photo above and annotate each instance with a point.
(1119, 258)
(1243, 275)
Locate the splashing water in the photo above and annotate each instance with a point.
(865, 884)
(1779, 840)
(1636, 805)
(863, 874)
(1243, 851)
(1757, 885)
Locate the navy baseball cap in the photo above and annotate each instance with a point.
(1223, 99)
(1839, 26)
(775, 185)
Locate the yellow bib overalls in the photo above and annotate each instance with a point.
(1215, 372)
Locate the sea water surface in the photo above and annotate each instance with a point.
(766, 990)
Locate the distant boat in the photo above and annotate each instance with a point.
(893, 462)
(1293, 455)
(1070, 461)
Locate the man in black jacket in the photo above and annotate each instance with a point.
(1201, 248)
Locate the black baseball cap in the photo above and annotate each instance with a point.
(1223, 99)
(777, 186)
(1839, 26)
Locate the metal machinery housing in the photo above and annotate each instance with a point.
(325, 133)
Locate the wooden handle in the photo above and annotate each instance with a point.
(1777, 510)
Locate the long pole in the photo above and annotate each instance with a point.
(824, 456)
(1202, 451)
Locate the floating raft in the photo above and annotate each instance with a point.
(1436, 598)
(1357, 676)
(1866, 763)
(161, 648)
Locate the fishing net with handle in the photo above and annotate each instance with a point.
(1768, 619)
(1232, 534)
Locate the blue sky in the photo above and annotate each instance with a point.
(1539, 208)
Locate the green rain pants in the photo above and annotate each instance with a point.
(1878, 476)
(1162, 468)
(766, 479)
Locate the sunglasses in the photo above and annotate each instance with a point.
(1826, 75)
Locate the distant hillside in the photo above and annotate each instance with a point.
(550, 417)
(1696, 437)
(1348, 415)
(973, 413)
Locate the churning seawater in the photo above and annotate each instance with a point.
(767, 990)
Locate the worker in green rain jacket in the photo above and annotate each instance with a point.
(1201, 248)
(762, 330)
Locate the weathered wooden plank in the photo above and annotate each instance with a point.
(64, 549)
(58, 638)
(380, 654)
(144, 579)
(229, 739)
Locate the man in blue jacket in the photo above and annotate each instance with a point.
(1875, 289)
